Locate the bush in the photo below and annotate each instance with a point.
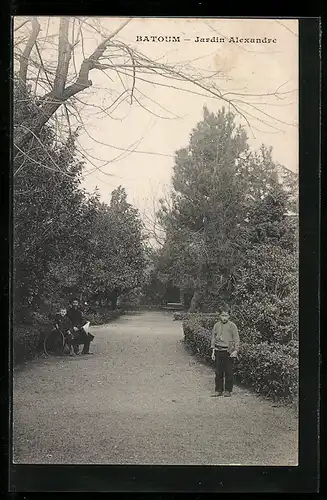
(101, 317)
(273, 319)
(249, 327)
(27, 339)
(207, 320)
(265, 294)
(191, 326)
(269, 369)
(130, 301)
(180, 315)
(25, 343)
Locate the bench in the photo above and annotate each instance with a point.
(174, 306)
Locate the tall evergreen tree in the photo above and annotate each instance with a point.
(225, 198)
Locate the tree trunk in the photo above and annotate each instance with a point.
(113, 296)
(31, 127)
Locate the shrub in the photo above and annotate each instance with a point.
(265, 294)
(27, 337)
(197, 330)
(249, 327)
(130, 301)
(179, 316)
(270, 369)
(207, 320)
(203, 341)
(25, 343)
(182, 315)
(272, 318)
(101, 317)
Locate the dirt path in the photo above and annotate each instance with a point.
(142, 399)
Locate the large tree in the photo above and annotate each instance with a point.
(66, 241)
(52, 215)
(116, 261)
(207, 203)
(219, 185)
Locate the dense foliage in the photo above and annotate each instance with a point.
(66, 242)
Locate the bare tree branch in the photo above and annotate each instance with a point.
(21, 25)
(124, 67)
(286, 27)
(53, 100)
(64, 56)
(88, 64)
(24, 60)
(42, 67)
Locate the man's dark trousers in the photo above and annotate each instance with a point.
(224, 368)
(85, 339)
(86, 348)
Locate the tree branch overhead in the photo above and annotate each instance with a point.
(24, 59)
(124, 67)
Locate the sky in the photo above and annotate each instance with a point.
(162, 121)
(252, 68)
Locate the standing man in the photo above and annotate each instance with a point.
(80, 327)
(224, 344)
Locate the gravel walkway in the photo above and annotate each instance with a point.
(142, 399)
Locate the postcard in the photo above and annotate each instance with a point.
(156, 252)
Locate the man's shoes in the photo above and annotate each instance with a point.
(216, 394)
(87, 352)
(227, 394)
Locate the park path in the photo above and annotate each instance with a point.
(142, 399)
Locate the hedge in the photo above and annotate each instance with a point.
(269, 369)
(207, 320)
(182, 316)
(101, 317)
(27, 337)
(249, 333)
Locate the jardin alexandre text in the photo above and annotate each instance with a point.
(198, 39)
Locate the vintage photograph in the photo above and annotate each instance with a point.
(155, 241)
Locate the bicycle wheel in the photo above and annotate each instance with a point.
(54, 343)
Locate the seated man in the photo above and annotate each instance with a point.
(63, 323)
(80, 328)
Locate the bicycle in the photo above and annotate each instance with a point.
(55, 343)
